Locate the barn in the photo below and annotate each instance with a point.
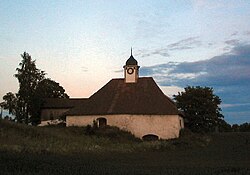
(135, 104)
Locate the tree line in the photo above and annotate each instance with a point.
(34, 87)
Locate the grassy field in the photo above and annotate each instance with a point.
(58, 150)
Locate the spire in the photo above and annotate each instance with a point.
(131, 60)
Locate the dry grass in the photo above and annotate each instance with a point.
(57, 150)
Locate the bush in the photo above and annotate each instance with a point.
(89, 130)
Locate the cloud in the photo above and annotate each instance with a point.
(228, 74)
(184, 44)
(188, 43)
(234, 105)
(247, 32)
(234, 34)
(162, 52)
(119, 71)
(230, 69)
(84, 69)
(146, 53)
(206, 4)
(232, 42)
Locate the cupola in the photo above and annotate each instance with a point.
(131, 70)
(131, 60)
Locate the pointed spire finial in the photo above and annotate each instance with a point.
(131, 51)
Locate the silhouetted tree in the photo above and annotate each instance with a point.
(245, 127)
(9, 103)
(200, 107)
(28, 77)
(46, 88)
(1, 112)
(235, 128)
(223, 126)
(33, 87)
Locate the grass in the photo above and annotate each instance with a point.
(57, 150)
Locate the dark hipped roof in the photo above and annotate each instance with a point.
(118, 97)
(51, 103)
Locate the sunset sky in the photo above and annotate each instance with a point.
(84, 44)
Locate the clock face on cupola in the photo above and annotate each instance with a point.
(131, 70)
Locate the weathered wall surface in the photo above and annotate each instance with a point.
(164, 126)
(47, 114)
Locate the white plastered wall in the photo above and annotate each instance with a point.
(164, 126)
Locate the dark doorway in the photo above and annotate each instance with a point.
(102, 122)
(150, 137)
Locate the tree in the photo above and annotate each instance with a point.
(223, 126)
(1, 112)
(28, 77)
(235, 128)
(46, 88)
(200, 107)
(245, 127)
(33, 87)
(9, 102)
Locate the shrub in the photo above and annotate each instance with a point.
(89, 130)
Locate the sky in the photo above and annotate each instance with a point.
(84, 44)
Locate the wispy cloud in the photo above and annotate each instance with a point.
(184, 44)
(247, 32)
(84, 69)
(147, 53)
(205, 4)
(118, 71)
(187, 43)
(232, 42)
(234, 33)
(234, 105)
